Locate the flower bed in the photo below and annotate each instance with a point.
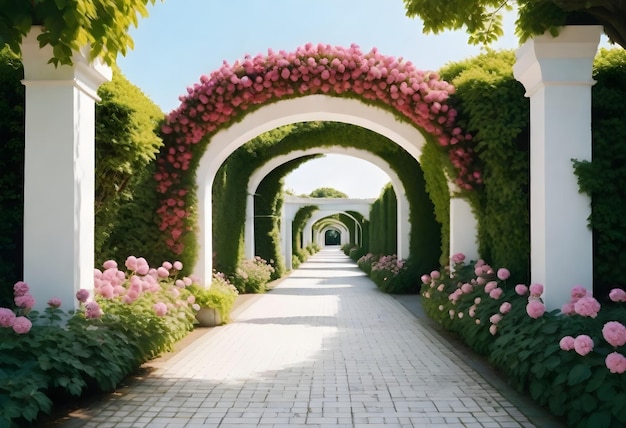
(133, 315)
(571, 361)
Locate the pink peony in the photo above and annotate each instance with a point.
(495, 318)
(505, 308)
(535, 309)
(458, 258)
(521, 289)
(26, 301)
(568, 309)
(578, 292)
(55, 302)
(93, 310)
(616, 362)
(109, 264)
(567, 343)
(22, 325)
(503, 274)
(615, 333)
(491, 285)
(131, 263)
(82, 295)
(496, 293)
(536, 290)
(617, 295)
(467, 288)
(162, 272)
(7, 316)
(583, 344)
(425, 279)
(160, 309)
(178, 265)
(493, 329)
(435, 274)
(20, 288)
(587, 307)
(167, 265)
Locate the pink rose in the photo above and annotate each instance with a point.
(55, 302)
(587, 307)
(435, 274)
(160, 309)
(617, 295)
(535, 309)
(20, 288)
(425, 279)
(521, 289)
(7, 316)
(583, 344)
(615, 333)
(567, 343)
(616, 362)
(82, 295)
(493, 329)
(536, 290)
(496, 293)
(503, 274)
(22, 325)
(505, 308)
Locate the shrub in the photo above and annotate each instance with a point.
(221, 295)
(252, 275)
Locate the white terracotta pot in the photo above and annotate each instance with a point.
(208, 317)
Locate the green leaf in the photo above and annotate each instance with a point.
(578, 374)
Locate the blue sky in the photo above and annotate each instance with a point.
(183, 39)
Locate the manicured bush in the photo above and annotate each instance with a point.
(252, 275)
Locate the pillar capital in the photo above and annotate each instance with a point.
(566, 59)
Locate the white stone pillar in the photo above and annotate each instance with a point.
(404, 226)
(463, 228)
(288, 222)
(249, 228)
(59, 172)
(556, 73)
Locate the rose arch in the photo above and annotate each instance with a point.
(316, 82)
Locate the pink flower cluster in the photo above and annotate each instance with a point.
(535, 308)
(112, 283)
(389, 263)
(223, 96)
(581, 303)
(24, 302)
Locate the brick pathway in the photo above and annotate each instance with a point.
(324, 348)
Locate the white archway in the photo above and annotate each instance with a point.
(306, 108)
(403, 221)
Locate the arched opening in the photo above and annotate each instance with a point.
(332, 237)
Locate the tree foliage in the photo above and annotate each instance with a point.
(327, 192)
(482, 19)
(68, 25)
